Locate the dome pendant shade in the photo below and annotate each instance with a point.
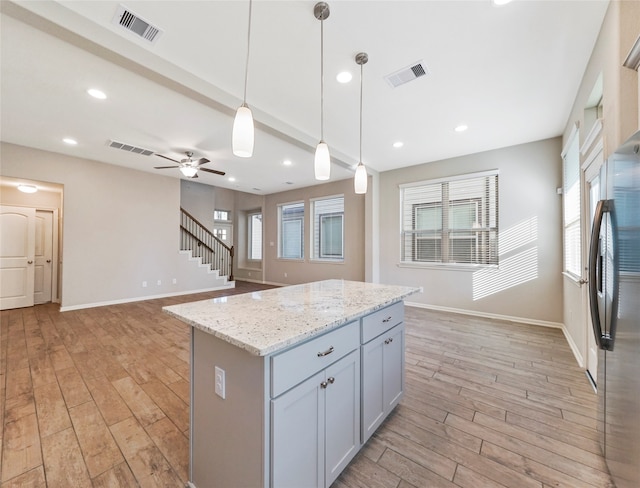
(189, 171)
(242, 138)
(322, 161)
(360, 179)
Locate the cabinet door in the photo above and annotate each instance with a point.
(382, 378)
(342, 414)
(393, 368)
(372, 392)
(297, 436)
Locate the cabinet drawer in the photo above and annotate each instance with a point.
(295, 365)
(378, 322)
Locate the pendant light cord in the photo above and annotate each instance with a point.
(246, 66)
(322, 79)
(360, 113)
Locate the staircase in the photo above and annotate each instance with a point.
(206, 251)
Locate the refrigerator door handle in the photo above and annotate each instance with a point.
(596, 275)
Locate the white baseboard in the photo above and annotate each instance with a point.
(69, 308)
(574, 348)
(510, 318)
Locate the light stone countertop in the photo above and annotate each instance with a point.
(267, 321)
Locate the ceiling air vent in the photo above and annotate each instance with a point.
(130, 148)
(132, 22)
(407, 74)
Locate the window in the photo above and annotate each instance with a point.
(328, 228)
(221, 215)
(220, 233)
(291, 231)
(451, 220)
(255, 236)
(571, 208)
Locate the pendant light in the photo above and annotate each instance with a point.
(360, 179)
(322, 160)
(242, 135)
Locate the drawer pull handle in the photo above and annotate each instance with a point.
(388, 319)
(331, 379)
(323, 384)
(326, 353)
(389, 340)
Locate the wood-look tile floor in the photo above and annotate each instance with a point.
(99, 398)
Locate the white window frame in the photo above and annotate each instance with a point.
(287, 223)
(444, 235)
(250, 231)
(572, 207)
(316, 238)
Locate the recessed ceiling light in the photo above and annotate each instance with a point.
(287, 162)
(500, 2)
(95, 93)
(27, 188)
(461, 128)
(71, 142)
(232, 179)
(398, 144)
(344, 77)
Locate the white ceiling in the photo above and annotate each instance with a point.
(510, 73)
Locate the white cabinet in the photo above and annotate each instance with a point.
(315, 426)
(382, 371)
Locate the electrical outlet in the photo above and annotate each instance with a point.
(144, 284)
(249, 273)
(175, 281)
(159, 282)
(220, 382)
(285, 275)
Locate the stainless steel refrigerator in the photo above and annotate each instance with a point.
(614, 292)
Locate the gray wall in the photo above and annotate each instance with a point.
(120, 227)
(199, 200)
(308, 270)
(529, 176)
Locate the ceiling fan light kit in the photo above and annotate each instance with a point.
(322, 160)
(189, 167)
(243, 134)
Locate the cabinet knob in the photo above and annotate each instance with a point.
(325, 353)
(389, 340)
(29, 262)
(323, 384)
(48, 260)
(388, 319)
(331, 379)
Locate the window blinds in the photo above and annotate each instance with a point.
(451, 220)
(328, 228)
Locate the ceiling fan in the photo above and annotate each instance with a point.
(189, 167)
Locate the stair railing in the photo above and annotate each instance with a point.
(196, 238)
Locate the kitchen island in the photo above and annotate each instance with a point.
(287, 384)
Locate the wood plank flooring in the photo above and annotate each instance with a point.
(99, 398)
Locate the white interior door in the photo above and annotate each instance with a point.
(592, 167)
(17, 250)
(43, 261)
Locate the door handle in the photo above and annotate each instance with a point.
(29, 262)
(48, 260)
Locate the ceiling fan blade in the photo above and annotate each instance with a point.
(215, 172)
(202, 161)
(165, 167)
(165, 157)
(194, 176)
